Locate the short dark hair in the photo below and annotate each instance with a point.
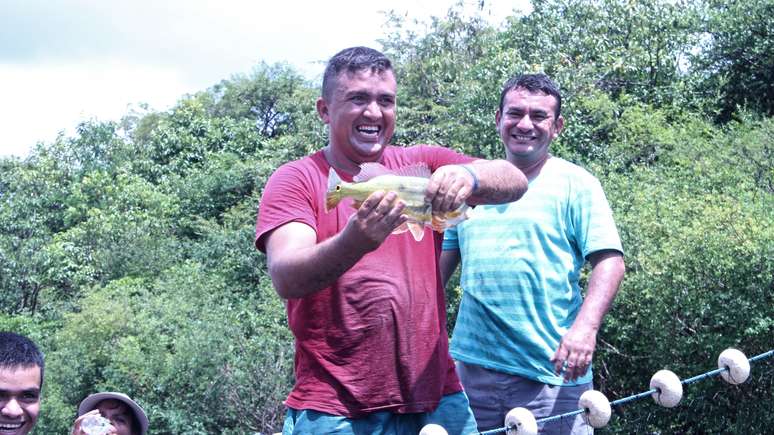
(352, 60)
(533, 83)
(19, 351)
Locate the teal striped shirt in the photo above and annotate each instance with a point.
(521, 263)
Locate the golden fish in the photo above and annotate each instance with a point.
(409, 183)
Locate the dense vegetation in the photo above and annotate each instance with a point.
(126, 251)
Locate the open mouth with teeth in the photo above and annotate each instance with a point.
(369, 130)
(522, 137)
(10, 427)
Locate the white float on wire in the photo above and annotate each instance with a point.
(737, 364)
(597, 406)
(520, 421)
(666, 388)
(433, 429)
(670, 389)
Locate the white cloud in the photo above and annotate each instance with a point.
(42, 100)
(72, 60)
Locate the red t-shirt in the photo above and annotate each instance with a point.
(375, 340)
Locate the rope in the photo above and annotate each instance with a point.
(633, 397)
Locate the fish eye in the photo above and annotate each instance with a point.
(338, 188)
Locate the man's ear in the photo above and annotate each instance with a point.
(559, 123)
(322, 110)
(497, 118)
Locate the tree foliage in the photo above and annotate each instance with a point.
(737, 59)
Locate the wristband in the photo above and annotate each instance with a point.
(472, 174)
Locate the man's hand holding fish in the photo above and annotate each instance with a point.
(433, 200)
(450, 186)
(379, 215)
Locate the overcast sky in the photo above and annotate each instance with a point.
(65, 61)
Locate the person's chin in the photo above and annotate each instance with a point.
(369, 151)
(521, 149)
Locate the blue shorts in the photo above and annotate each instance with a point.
(453, 413)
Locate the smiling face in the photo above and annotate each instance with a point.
(527, 125)
(119, 414)
(361, 115)
(19, 399)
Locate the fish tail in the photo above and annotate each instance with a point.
(333, 194)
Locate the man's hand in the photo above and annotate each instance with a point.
(449, 187)
(577, 346)
(575, 352)
(376, 219)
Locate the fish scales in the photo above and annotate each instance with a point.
(408, 183)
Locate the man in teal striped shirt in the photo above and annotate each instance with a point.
(524, 335)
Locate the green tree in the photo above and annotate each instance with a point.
(32, 194)
(737, 57)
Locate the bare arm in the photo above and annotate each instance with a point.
(448, 264)
(300, 266)
(498, 182)
(578, 344)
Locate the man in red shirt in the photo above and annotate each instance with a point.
(366, 307)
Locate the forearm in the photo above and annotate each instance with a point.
(313, 268)
(300, 266)
(605, 279)
(448, 264)
(576, 348)
(499, 182)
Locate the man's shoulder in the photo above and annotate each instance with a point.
(307, 164)
(563, 168)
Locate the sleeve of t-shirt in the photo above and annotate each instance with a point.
(450, 240)
(592, 218)
(285, 199)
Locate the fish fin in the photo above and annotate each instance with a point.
(356, 204)
(371, 170)
(417, 230)
(449, 219)
(438, 223)
(416, 170)
(457, 216)
(401, 229)
(332, 195)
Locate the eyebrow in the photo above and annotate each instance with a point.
(28, 390)
(368, 93)
(521, 110)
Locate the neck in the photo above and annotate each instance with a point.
(532, 169)
(340, 164)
